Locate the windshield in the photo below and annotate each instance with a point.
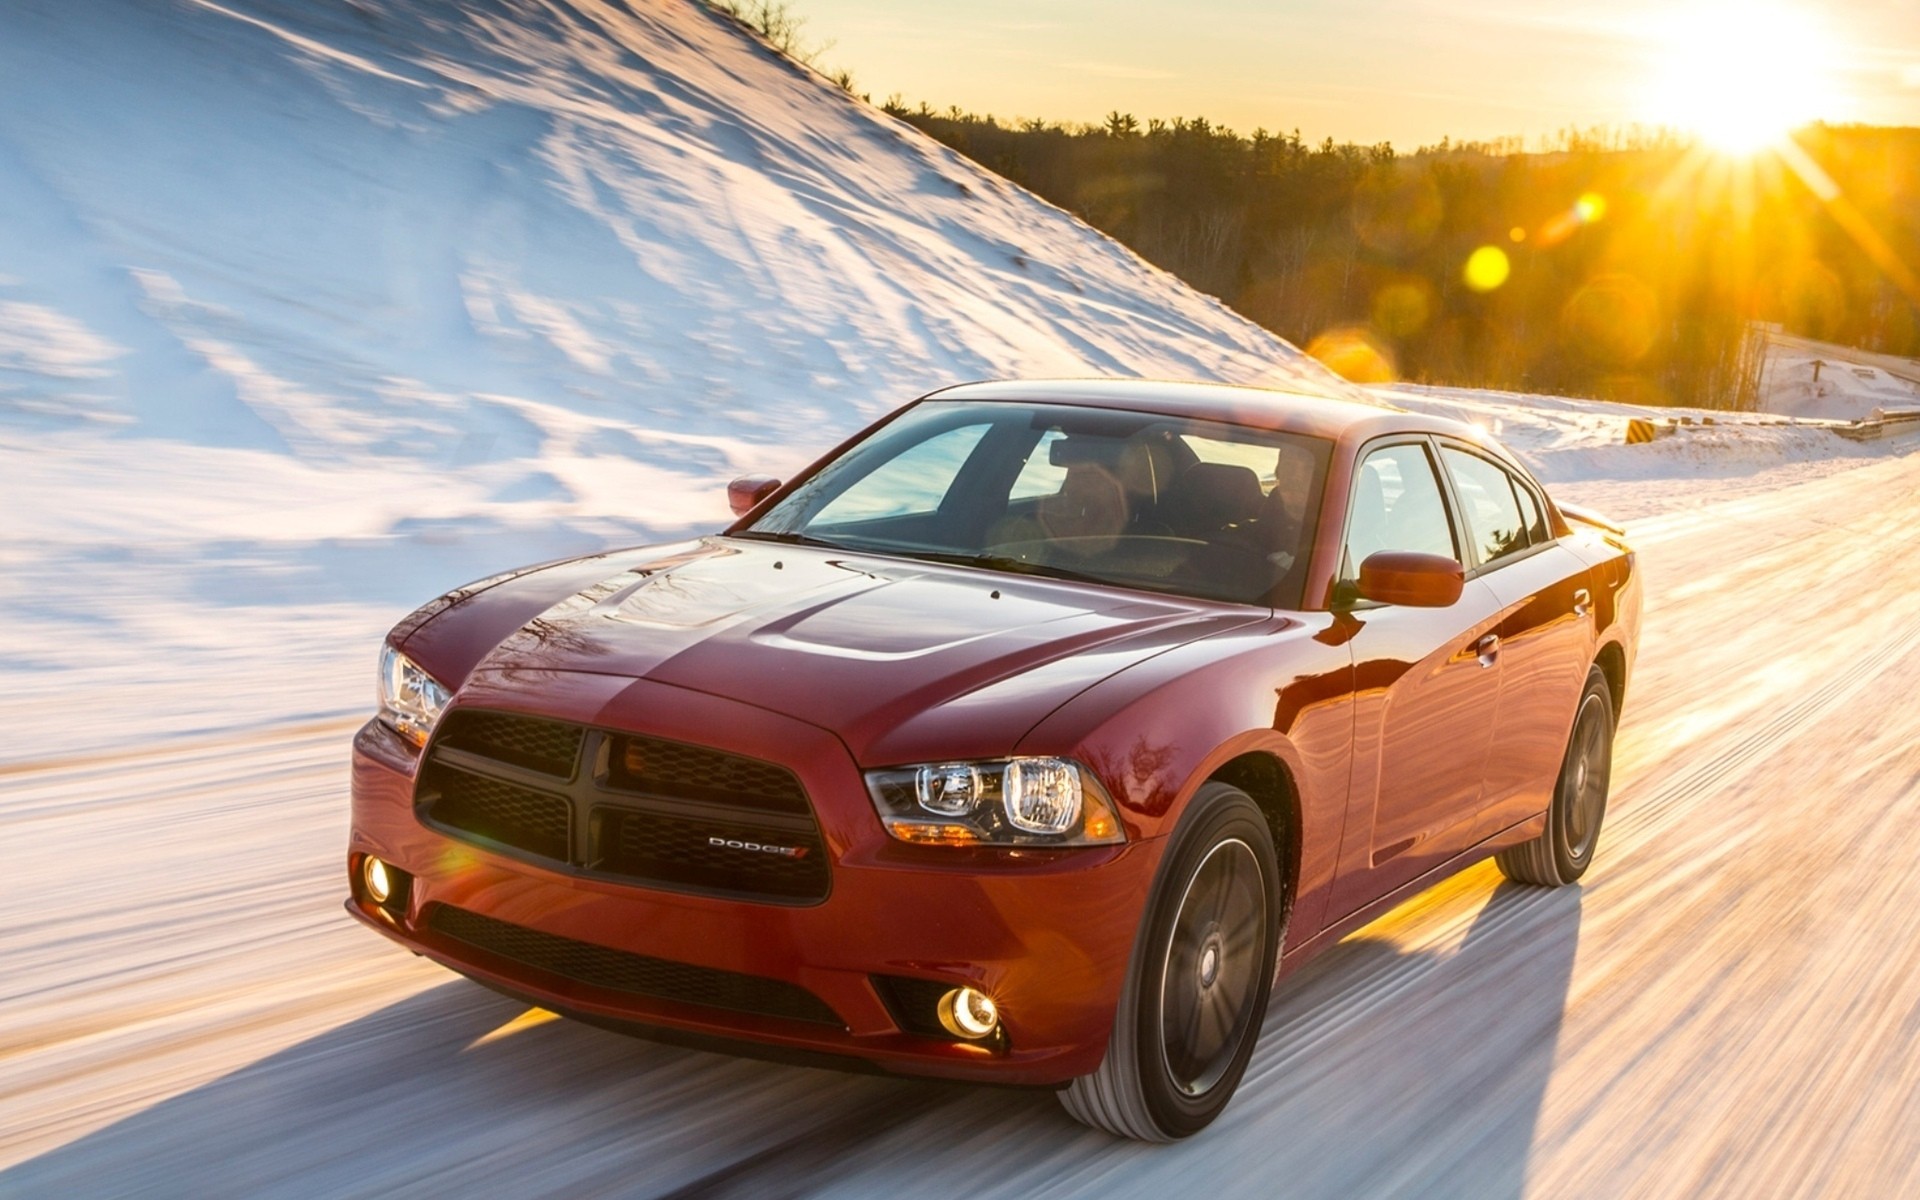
(1142, 500)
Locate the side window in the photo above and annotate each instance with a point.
(1531, 512)
(911, 484)
(1494, 524)
(1396, 506)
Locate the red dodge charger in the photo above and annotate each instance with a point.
(1027, 737)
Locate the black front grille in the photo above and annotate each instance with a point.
(537, 822)
(635, 974)
(621, 805)
(711, 855)
(666, 768)
(550, 747)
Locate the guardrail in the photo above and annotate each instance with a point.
(1883, 423)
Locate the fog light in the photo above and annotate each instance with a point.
(969, 1014)
(379, 882)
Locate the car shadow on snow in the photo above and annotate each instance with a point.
(1411, 1065)
(431, 1096)
(1381, 1072)
(1386, 1071)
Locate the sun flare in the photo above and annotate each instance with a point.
(1741, 75)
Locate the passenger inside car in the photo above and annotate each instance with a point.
(1204, 504)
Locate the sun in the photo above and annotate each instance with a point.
(1739, 75)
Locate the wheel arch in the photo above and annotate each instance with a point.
(1612, 661)
(1268, 779)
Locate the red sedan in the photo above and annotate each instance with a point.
(1026, 737)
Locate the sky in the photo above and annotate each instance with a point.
(1405, 71)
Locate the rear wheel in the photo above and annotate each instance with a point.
(1563, 851)
(1196, 994)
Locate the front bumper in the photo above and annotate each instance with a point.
(1047, 934)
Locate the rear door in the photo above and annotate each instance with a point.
(1545, 630)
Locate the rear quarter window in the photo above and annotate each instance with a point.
(1495, 526)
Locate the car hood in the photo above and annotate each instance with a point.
(901, 659)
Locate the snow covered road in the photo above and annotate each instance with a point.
(1728, 1005)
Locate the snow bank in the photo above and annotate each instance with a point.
(1811, 380)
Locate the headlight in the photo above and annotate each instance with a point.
(410, 699)
(1006, 802)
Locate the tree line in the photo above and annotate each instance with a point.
(1622, 264)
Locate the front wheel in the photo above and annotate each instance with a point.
(1197, 992)
(1564, 849)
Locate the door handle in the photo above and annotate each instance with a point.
(1582, 602)
(1489, 649)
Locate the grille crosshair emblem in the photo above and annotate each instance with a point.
(624, 829)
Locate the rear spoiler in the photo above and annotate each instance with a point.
(1586, 516)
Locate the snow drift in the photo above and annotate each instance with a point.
(1805, 378)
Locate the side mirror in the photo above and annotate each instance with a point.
(1415, 580)
(749, 490)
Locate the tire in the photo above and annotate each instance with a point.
(1196, 992)
(1564, 849)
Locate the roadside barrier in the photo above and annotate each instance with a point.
(1883, 423)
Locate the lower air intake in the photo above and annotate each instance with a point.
(636, 974)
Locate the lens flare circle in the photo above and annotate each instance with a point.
(1487, 268)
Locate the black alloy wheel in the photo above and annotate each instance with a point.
(1208, 979)
(1196, 994)
(1564, 850)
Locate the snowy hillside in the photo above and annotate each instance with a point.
(310, 309)
(493, 233)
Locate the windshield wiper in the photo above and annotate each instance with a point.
(992, 562)
(1002, 562)
(793, 539)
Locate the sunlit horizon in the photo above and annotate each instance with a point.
(1741, 76)
(1735, 76)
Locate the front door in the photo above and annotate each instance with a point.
(1427, 684)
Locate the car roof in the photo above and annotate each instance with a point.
(1260, 408)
